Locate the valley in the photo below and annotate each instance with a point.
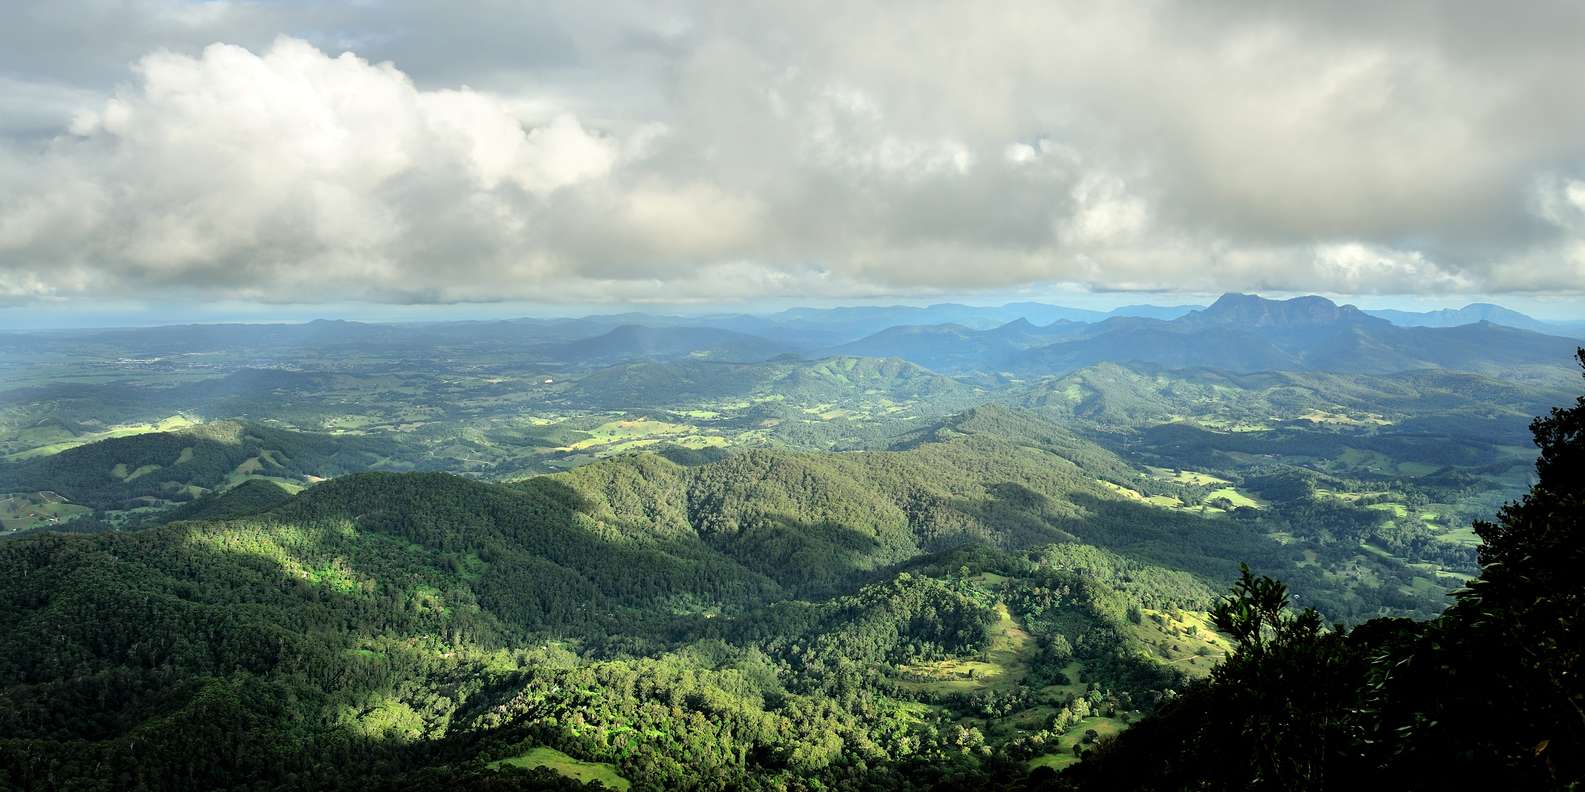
(694, 559)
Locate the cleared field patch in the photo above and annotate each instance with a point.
(1063, 755)
(1350, 497)
(141, 472)
(1397, 510)
(575, 769)
(1233, 496)
(1190, 477)
(1032, 719)
(627, 431)
(1183, 639)
(702, 415)
(348, 424)
(1003, 664)
(1424, 585)
(29, 510)
(1164, 501)
(1055, 761)
(1463, 535)
(170, 424)
(1056, 694)
(1342, 419)
(1217, 424)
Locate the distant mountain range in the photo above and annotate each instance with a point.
(1239, 332)
(1472, 313)
(952, 347)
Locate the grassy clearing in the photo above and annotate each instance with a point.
(25, 511)
(575, 769)
(1424, 585)
(1216, 424)
(1057, 694)
(1341, 419)
(1463, 535)
(1233, 496)
(1398, 510)
(1164, 501)
(1063, 755)
(1351, 497)
(170, 424)
(1055, 761)
(1183, 639)
(702, 415)
(627, 435)
(1003, 664)
(1190, 477)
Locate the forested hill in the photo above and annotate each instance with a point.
(940, 613)
(181, 465)
(830, 380)
(810, 522)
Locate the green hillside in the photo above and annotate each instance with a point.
(768, 616)
(159, 468)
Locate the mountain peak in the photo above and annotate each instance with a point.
(1255, 311)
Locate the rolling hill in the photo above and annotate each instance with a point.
(1470, 314)
(159, 468)
(955, 348)
(830, 380)
(377, 626)
(1114, 395)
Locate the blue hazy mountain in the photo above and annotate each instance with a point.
(1239, 332)
(1473, 313)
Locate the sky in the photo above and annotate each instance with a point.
(166, 159)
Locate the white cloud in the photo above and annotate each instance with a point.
(679, 151)
(267, 174)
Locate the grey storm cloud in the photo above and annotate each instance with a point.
(433, 152)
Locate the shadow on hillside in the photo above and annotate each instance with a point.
(180, 465)
(1210, 546)
(1013, 517)
(809, 557)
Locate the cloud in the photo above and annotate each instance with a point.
(291, 173)
(699, 151)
